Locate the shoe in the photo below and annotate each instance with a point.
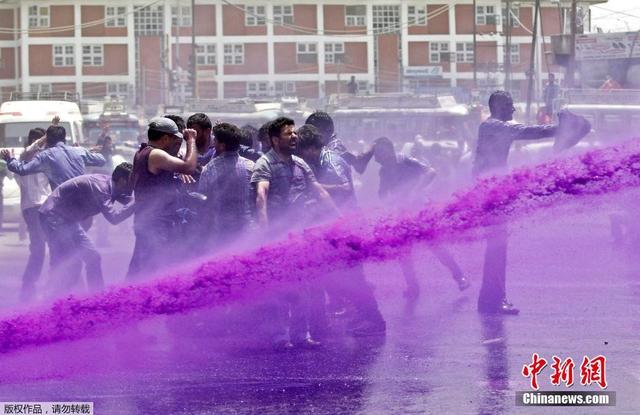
(463, 283)
(370, 328)
(307, 344)
(505, 308)
(282, 346)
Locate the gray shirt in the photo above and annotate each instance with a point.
(226, 181)
(495, 138)
(84, 196)
(290, 184)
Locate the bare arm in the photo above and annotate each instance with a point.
(262, 191)
(160, 160)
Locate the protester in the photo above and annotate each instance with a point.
(285, 185)
(154, 186)
(70, 204)
(34, 190)
(324, 123)
(226, 181)
(407, 178)
(334, 174)
(59, 161)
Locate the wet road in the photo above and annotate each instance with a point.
(578, 293)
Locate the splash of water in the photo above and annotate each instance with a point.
(317, 251)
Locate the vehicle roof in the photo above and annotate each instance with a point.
(18, 111)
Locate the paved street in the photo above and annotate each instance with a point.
(578, 293)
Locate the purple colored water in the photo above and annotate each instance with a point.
(315, 252)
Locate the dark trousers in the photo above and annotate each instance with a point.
(69, 246)
(151, 251)
(353, 286)
(493, 290)
(36, 247)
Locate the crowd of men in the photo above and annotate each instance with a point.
(195, 188)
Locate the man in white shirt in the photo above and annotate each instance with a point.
(34, 190)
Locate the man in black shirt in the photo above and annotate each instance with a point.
(404, 177)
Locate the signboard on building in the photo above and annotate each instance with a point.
(600, 46)
(423, 71)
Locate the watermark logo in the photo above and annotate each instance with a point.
(592, 372)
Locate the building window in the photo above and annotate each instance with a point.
(117, 88)
(386, 18)
(283, 14)
(206, 54)
(255, 15)
(355, 15)
(234, 54)
(438, 52)
(63, 55)
(38, 16)
(417, 15)
(41, 88)
(464, 52)
(257, 89)
(92, 55)
(515, 16)
(307, 53)
(181, 16)
(115, 16)
(149, 21)
(485, 15)
(515, 53)
(285, 88)
(334, 53)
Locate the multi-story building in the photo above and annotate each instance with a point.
(309, 48)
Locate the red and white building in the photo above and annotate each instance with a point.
(248, 48)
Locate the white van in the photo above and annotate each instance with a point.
(16, 119)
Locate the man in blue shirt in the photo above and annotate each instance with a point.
(59, 161)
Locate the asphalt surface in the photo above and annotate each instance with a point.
(579, 295)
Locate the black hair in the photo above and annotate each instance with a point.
(200, 119)
(178, 120)
(228, 134)
(56, 134)
(249, 135)
(122, 170)
(154, 135)
(35, 134)
(275, 127)
(309, 136)
(383, 142)
(263, 131)
(323, 122)
(497, 99)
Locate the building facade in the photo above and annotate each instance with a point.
(309, 48)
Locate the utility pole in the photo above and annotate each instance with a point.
(571, 68)
(194, 67)
(532, 61)
(475, 48)
(507, 47)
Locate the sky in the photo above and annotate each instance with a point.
(616, 16)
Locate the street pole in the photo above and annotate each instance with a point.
(532, 62)
(475, 47)
(194, 70)
(571, 68)
(507, 53)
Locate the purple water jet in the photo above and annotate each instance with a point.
(320, 250)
